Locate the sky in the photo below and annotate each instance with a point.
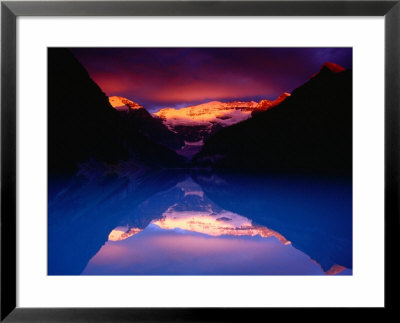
(176, 77)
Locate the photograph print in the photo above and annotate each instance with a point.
(200, 161)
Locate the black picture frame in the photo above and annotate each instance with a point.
(10, 10)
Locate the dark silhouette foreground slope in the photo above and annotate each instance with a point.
(82, 125)
(310, 131)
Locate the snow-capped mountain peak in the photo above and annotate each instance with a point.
(198, 122)
(333, 67)
(329, 67)
(123, 104)
(207, 114)
(266, 104)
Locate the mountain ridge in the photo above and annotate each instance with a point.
(210, 112)
(310, 131)
(83, 126)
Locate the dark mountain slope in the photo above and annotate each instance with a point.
(82, 125)
(153, 128)
(310, 131)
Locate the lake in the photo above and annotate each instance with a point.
(199, 223)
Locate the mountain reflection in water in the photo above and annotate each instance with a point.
(200, 224)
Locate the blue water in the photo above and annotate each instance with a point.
(175, 223)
